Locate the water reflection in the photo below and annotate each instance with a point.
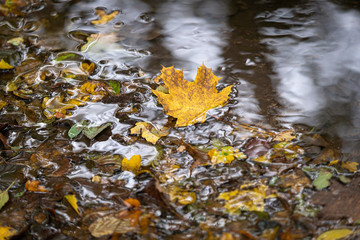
(316, 59)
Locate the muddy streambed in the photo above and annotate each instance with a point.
(87, 151)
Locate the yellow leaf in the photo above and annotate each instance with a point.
(333, 162)
(104, 18)
(2, 104)
(88, 68)
(57, 107)
(190, 101)
(248, 198)
(6, 232)
(5, 65)
(132, 165)
(351, 166)
(225, 155)
(285, 136)
(182, 196)
(148, 131)
(96, 179)
(73, 202)
(335, 234)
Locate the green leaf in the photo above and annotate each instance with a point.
(91, 132)
(4, 196)
(322, 180)
(76, 129)
(335, 234)
(115, 85)
(64, 57)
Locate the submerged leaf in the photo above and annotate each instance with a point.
(225, 155)
(335, 234)
(4, 196)
(73, 202)
(181, 196)
(104, 18)
(132, 165)
(5, 65)
(148, 131)
(190, 101)
(64, 57)
(2, 104)
(91, 132)
(351, 166)
(76, 129)
(115, 85)
(6, 233)
(33, 186)
(247, 198)
(322, 180)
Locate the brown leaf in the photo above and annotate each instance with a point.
(33, 186)
(257, 147)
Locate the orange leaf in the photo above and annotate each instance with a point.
(104, 18)
(33, 186)
(131, 202)
(132, 165)
(190, 101)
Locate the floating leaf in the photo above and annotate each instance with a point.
(225, 155)
(104, 18)
(190, 101)
(132, 165)
(322, 180)
(33, 186)
(115, 85)
(77, 128)
(91, 132)
(6, 233)
(73, 202)
(4, 196)
(248, 198)
(5, 65)
(335, 234)
(149, 132)
(351, 166)
(100, 42)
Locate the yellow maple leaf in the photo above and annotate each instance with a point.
(190, 101)
(6, 233)
(5, 65)
(225, 155)
(104, 18)
(73, 202)
(132, 165)
(148, 131)
(351, 166)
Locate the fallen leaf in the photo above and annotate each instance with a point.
(2, 104)
(351, 166)
(322, 180)
(335, 234)
(16, 41)
(225, 155)
(111, 224)
(115, 85)
(149, 132)
(56, 105)
(132, 165)
(4, 196)
(6, 233)
(76, 129)
(285, 136)
(104, 18)
(96, 179)
(63, 57)
(88, 68)
(91, 132)
(33, 186)
(182, 196)
(73, 202)
(133, 203)
(190, 101)
(250, 197)
(5, 65)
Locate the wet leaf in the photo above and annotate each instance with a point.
(5, 65)
(335, 234)
(149, 132)
(351, 166)
(33, 186)
(285, 136)
(115, 85)
(225, 155)
(132, 202)
(100, 42)
(6, 233)
(190, 101)
(57, 107)
(182, 196)
(76, 129)
(16, 41)
(73, 202)
(322, 180)
(2, 104)
(132, 165)
(88, 68)
(64, 57)
(250, 197)
(104, 18)
(4, 196)
(91, 132)
(111, 224)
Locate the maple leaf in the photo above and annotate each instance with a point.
(190, 101)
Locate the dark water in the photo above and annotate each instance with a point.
(293, 64)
